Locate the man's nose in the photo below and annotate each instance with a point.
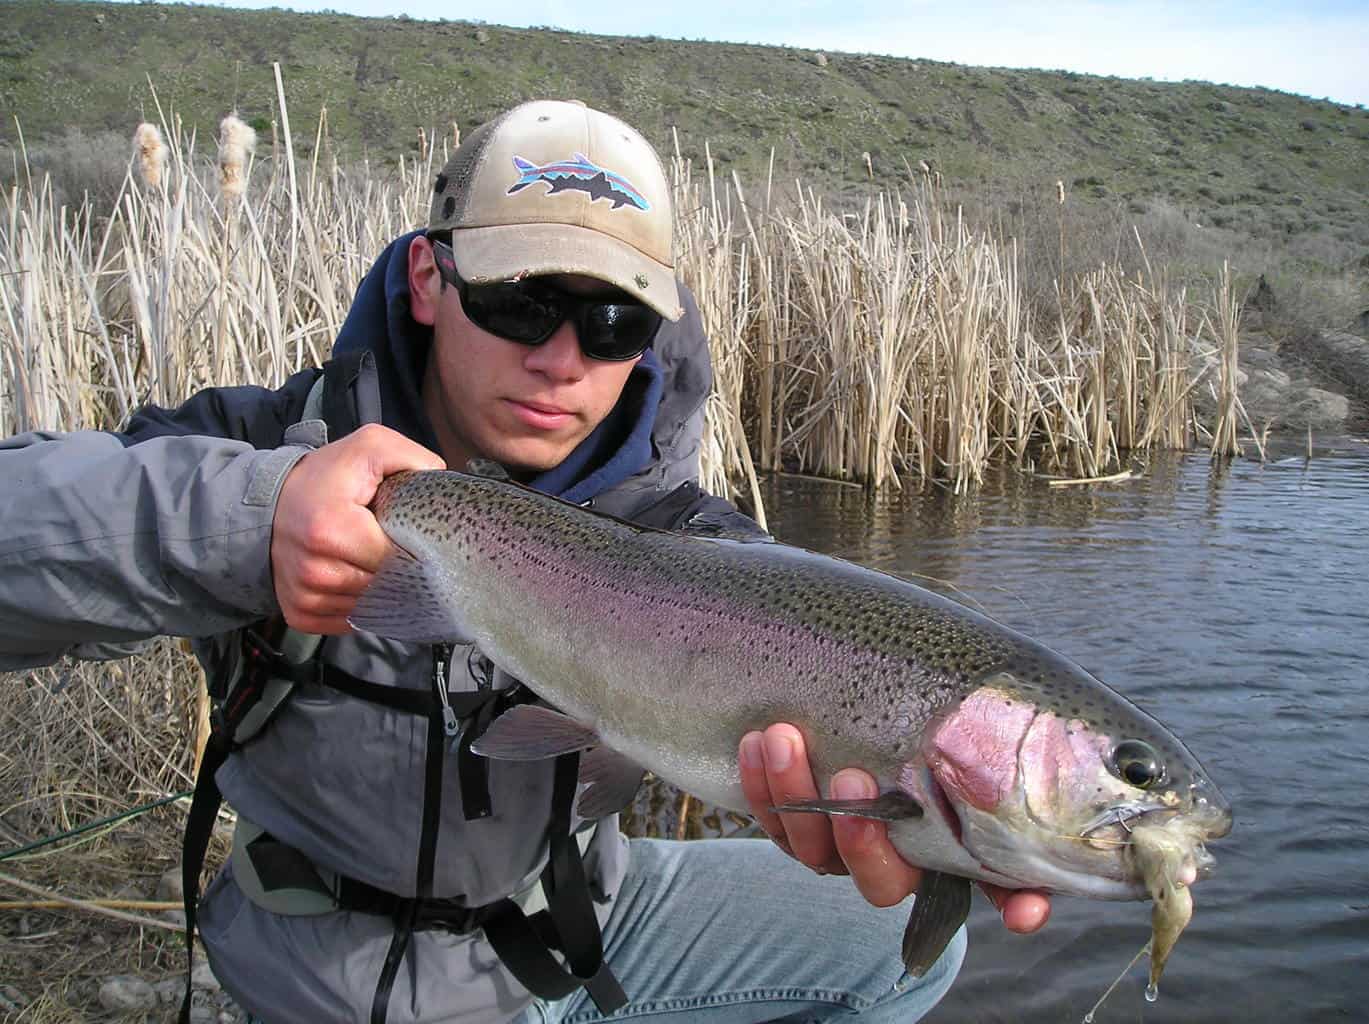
(559, 357)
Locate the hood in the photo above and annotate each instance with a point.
(665, 390)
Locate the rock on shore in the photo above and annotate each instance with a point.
(1317, 381)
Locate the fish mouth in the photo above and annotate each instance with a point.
(1199, 822)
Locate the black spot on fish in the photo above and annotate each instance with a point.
(448, 207)
(440, 185)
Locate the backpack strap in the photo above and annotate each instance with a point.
(273, 658)
(524, 943)
(264, 670)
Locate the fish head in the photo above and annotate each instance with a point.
(1047, 774)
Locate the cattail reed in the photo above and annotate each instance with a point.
(151, 153)
(237, 142)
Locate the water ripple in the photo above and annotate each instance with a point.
(1233, 603)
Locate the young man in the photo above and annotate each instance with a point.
(378, 866)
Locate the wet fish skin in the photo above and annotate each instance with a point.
(666, 649)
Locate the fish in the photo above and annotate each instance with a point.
(997, 759)
(579, 174)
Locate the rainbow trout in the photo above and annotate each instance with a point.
(997, 759)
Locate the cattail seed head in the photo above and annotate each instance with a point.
(236, 141)
(1060, 192)
(150, 152)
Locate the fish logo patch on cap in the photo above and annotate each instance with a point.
(579, 174)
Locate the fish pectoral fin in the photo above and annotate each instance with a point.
(940, 908)
(892, 806)
(612, 781)
(402, 604)
(531, 733)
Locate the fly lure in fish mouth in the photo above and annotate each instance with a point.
(1120, 815)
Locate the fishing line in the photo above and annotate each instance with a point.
(1088, 1017)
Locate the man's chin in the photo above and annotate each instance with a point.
(523, 462)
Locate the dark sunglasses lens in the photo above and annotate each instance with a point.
(517, 312)
(618, 330)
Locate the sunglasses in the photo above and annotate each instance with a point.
(530, 311)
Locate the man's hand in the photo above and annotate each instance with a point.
(325, 543)
(775, 770)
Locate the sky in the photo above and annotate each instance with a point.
(1317, 48)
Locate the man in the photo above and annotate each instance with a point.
(378, 866)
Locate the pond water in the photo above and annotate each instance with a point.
(1232, 602)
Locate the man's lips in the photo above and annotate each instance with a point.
(540, 415)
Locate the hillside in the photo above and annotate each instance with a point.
(1270, 164)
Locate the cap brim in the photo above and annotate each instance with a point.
(502, 252)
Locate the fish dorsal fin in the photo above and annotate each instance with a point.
(940, 908)
(531, 733)
(612, 779)
(402, 603)
(487, 468)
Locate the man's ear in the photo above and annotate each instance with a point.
(425, 284)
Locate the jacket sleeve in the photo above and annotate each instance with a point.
(164, 528)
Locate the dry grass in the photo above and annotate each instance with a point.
(80, 742)
(885, 345)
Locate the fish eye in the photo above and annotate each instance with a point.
(1138, 764)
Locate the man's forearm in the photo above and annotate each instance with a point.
(105, 544)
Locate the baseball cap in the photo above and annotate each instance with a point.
(554, 187)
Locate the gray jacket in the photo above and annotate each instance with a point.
(112, 538)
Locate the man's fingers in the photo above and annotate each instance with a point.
(334, 577)
(324, 625)
(882, 876)
(789, 778)
(751, 757)
(360, 543)
(1023, 910)
(326, 605)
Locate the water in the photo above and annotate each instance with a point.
(1233, 604)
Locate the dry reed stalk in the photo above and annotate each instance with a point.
(237, 142)
(721, 284)
(111, 904)
(1227, 313)
(96, 907)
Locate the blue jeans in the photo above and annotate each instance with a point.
(731, 931)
